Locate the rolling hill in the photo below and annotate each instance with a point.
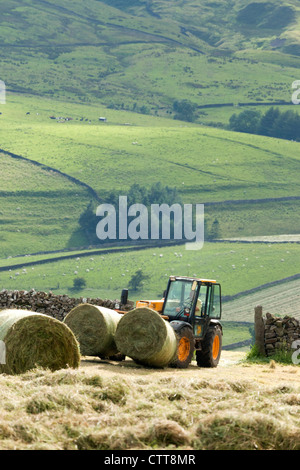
(144, 55)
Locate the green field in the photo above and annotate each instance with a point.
(237, 266)
(205, 164)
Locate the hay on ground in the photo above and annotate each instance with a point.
(94, 328)
(144, 336)
(36, 340)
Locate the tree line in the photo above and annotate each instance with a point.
(155, 194)
(137, 194)
(273, 123)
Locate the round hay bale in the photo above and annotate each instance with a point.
(94, 328)
(144, 336)
(36, 340)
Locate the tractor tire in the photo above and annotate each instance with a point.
(210, 353)
(185, 348)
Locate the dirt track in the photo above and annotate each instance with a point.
(231, 367)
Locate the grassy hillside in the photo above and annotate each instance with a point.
(203, 163)
(206, 165)
(37, 207)
(144, 55)
(110, 155)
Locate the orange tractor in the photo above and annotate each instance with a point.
(193, 307)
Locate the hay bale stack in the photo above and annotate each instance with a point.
(36, 340)
(94, 328)
(144, 336)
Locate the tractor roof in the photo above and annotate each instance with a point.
(188, 278)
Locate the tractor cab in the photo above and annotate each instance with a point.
(193, 307)
(192, 300)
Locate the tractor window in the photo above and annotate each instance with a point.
(215, 311)
(200, 306)
(180, 298)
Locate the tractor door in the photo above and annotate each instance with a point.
(209, 345)
(208, 307)
(200, 310)
(215, 307)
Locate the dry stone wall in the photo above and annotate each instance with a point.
(273, 334)
(57, 306)
(280, 333)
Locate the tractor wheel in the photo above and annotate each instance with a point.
(185, 348)
(210, 353)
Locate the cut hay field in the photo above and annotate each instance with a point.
(112, 406)
(281, 299)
